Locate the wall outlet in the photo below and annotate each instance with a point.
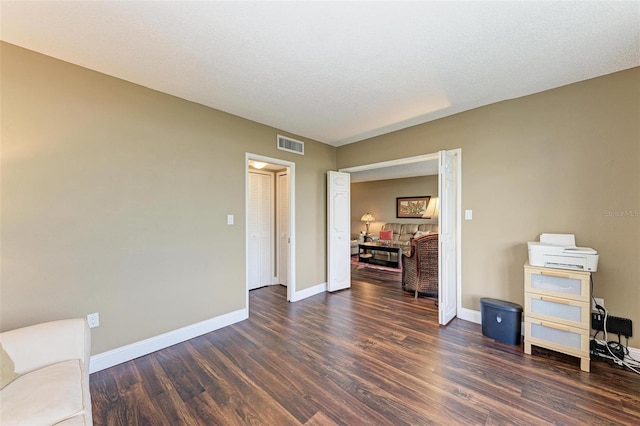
(596, 301)
(93, 320)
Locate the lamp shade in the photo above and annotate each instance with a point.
(432, 208)
(367, 217)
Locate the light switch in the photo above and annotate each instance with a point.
(229, 219)
(468, 214)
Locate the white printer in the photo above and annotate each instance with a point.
(560, 251)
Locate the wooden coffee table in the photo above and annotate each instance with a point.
(366, 254)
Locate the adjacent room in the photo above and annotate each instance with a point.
(319, 213)
(387, 213)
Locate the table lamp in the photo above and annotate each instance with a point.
(368, 218)
(432, 209)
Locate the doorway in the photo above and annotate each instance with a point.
(260, 227)
(447, 165)
(269, 223)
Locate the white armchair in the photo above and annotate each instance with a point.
(354, 244)
(45, 374)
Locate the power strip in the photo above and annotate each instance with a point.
(615, 325)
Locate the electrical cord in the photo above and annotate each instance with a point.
(625, 349)
(632, 360)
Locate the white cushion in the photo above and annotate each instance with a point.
(74, 421)
(421, 233)
(43, 397)
(7, 368)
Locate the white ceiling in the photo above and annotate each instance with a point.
(336, 72)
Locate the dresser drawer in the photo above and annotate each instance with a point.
(564, 311)
(554, 282)
(558, 337)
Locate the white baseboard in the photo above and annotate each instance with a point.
(634, 353)
(476, 317)
(308, 292)
(152, 344)
(470, 315)
(144, 347)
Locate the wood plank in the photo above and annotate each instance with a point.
(371, 354)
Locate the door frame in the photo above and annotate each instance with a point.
(429, 158)
(291, 288)
(278, 260)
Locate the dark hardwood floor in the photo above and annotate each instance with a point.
(368, 355)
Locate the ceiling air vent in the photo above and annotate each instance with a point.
(291, 145)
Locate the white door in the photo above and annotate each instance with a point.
(282, 212)
(260, 228)
(447, 252)
(339, 229)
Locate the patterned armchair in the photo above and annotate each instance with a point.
(420, 266)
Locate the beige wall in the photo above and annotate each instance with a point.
(379, 199)
(115, 199)
(562, 161)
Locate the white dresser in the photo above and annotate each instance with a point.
(557, 311)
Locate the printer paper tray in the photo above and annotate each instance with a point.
(565, 262)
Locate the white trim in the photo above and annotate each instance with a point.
(470, 315)
(476, 317)
(144, 347)
(634, 353)
(432, 157)
(391, 163)
(291, 285)
(458, 153)
(135, 350)
(291, 279)
(308, 292)
(278, 277)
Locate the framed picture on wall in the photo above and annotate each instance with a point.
(411, 207)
